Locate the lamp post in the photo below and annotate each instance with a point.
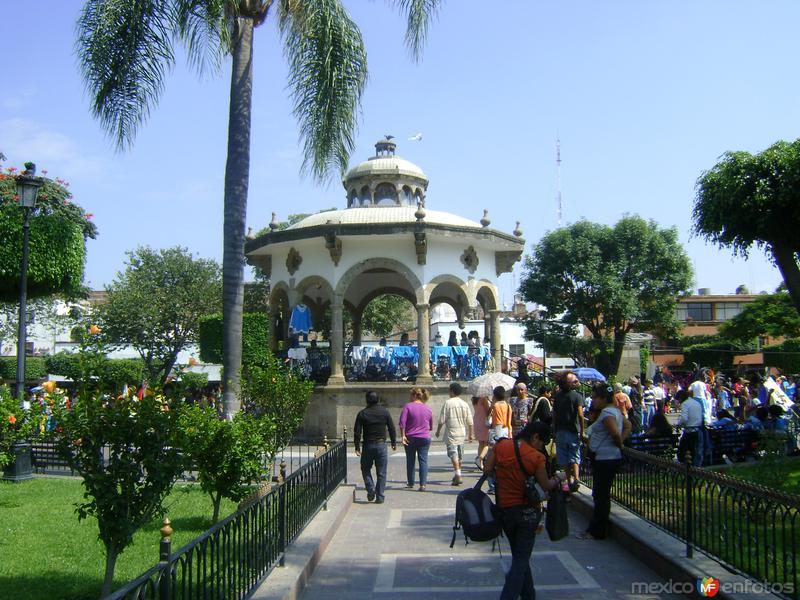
(28, 189)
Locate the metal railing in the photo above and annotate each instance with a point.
(233, 557)
(751, 529)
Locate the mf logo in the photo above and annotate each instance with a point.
(708, 586)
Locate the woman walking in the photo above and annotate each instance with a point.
(416, 423)
(520, 514)
(480, 426)
(605, 447)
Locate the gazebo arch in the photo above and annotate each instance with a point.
(390, 264)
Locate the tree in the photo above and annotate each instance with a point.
(558, 338)
(385, 313)
(59, 229)
(126, 484)
(747, 200)
(611, 280)
(156, 304)
(225, 454)
(125, 48)
(770, 315)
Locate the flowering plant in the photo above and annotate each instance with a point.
(16, 424)
(59, 229)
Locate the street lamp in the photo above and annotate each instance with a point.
(27, 189)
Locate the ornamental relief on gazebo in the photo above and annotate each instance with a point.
(293, 261)
(470, 260)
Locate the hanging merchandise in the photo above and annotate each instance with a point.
(300, 322)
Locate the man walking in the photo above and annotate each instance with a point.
(456, 418)
(569, 426)
(373, 421)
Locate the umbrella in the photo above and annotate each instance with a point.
(589, 374)
(484, 384)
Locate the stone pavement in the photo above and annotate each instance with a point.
(400, 549)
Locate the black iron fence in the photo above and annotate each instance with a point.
(235, 555)
(752, 529)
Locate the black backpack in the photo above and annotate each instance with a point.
(477, 515)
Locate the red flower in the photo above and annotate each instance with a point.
(12, 169)
(12, 419)
(16, 198)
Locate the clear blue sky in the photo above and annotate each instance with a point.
(644, 96)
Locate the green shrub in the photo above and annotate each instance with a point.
(785, 356)
(255, 338)
(194, 382)
(717, 355)
(65, 364)
(34, 368)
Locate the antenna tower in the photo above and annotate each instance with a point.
(558, 178)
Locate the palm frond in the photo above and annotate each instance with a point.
(205, 27)
(124, 49)
(420, 13)
(327, 75)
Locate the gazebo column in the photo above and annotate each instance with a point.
(497, 350)
(337, 341)
(356, 322)
(424, 343)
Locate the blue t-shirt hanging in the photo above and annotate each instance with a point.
(300, 322)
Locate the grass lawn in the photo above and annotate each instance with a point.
(788, 472)
(45, 553)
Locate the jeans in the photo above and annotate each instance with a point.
(374, 453)
(603, 473)
(692, 443)
(648, 412)
(519, 525)
(417, 447)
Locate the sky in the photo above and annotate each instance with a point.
(644, 96)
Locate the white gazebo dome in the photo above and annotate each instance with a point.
(375, 215)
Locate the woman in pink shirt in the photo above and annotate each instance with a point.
(416, 423)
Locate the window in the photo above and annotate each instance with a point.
(728, 310)
(516, 349)
(698, 311)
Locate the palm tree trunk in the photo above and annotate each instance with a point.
(786, 259)
(237, 175)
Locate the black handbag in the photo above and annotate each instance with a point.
(533, 491)
(556, 521)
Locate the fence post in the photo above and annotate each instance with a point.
(282, 522)
(344, 453)
(689, 509)
(165, 552)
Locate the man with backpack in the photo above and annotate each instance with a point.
(569, 426)
(373, 422)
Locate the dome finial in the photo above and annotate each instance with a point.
(385, 147)
(517, 230)
(485, 220)
(420, 212)
(273, 225)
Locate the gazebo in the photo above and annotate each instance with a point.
(386, 241)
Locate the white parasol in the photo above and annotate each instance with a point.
(484, 384)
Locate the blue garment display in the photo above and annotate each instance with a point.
(300, 322)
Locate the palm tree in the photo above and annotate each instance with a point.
(126, 47)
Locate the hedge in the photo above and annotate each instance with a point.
(785, 356)
(255, 338)
(114, 371)
(717, 355)
(34, 368)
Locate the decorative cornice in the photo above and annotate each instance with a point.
(504, 260)
(334, 245)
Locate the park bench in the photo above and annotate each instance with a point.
(736, 444)
(658, 445)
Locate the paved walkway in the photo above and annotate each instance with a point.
(400, 550)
